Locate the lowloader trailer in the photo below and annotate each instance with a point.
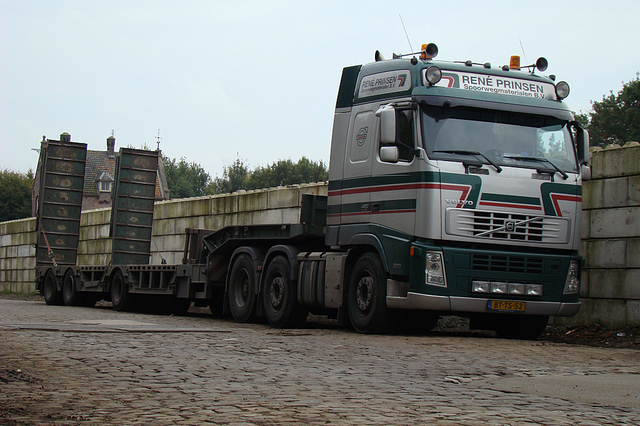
(455, 188)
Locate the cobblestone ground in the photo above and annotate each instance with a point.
(68, 366)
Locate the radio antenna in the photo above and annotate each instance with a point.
(405, 33)
(523, 54)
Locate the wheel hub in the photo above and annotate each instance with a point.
(244, 289)
(364, 293)
(277, 291)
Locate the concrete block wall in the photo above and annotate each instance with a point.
(266, 206)
(18, 255)
(94, 246)
(610, 291)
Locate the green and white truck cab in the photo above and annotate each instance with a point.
(467, 180)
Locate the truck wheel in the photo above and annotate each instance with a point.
(120, 297)
(52, 296)
(523, 327)
(367, 297)
(242, 289)
(280, 296)
(70, 294)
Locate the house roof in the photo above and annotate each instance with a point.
(98, 162)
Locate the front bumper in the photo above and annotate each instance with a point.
(473, 304)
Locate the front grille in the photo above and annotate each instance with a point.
(501, 263)
(507, 226)
(504, 225)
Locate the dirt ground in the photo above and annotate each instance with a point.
(591, 335)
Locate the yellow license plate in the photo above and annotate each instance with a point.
(505, 306)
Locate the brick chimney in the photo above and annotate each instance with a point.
(111, 147)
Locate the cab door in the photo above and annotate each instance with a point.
(359, 155)
(396, 180)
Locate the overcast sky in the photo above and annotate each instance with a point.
(258, 79)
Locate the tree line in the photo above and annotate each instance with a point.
(615, 119)
(186, 179)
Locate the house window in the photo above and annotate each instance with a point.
(105, 186)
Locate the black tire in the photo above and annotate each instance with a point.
(367, 297)
(121, 299)
(242, 289)
(522, 327)
(280, 297)
(70, 294)
(52, 296)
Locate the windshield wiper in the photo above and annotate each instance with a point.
(539, 160)
(465, 152)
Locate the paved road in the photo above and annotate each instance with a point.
(68, 366)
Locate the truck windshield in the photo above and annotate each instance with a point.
(503, 138)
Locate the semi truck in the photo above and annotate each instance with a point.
(454, 189)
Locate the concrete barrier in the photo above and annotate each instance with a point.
(18, 255)
(265, 206)
(610, 291)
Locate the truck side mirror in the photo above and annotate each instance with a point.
(387, 116)
(389, 154)
(583, 146)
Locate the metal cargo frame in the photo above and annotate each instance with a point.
(132, 208)
(59, 202)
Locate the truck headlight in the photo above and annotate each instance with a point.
(534, 289)
(499, 288)
(435, 269)
(572, 285)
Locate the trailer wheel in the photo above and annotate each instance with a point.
(70, 294)
(280, 296)
(52, 296)
(523, 327)
(242, 289)
(121, 299)
(366, 298)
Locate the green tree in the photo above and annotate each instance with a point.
(185, 179)
(582, 119)
(286, 172)
(282, 172)
(15, 195)
(616, 119)
(234, 178)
